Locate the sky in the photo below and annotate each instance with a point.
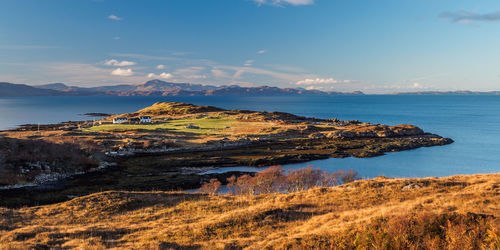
(332, 45)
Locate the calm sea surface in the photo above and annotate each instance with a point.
(472, 121)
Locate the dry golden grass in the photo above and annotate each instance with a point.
(453, 212)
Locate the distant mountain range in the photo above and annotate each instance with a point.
(458, 92)
(9, 89)
(162, 88)
(154, 88)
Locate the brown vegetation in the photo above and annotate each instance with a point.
(211, 187)
(228, 137)
(274, 179)
(459, 212)
(23, 160)
(175, 109)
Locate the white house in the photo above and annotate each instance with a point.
(145, 119)
(119, 120)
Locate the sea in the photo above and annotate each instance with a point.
(472, 121)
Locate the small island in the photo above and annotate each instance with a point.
(168, 145)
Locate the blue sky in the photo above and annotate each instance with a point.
(374, 46)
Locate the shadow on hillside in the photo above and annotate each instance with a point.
(112, 202)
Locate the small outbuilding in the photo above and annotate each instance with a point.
(119, 120)
(145, 119)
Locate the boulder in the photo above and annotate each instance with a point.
(191, 126)
(317, 136)
(410, 187)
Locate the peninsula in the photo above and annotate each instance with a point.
(176, 143)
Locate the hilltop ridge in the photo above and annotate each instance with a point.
(157, 88)
(456, 92)
(9, 89)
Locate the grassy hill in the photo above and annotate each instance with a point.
(459, 212)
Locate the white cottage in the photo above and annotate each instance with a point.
(145, 119)
(119, 120)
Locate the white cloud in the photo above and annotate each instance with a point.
(194, 72)
(463, 16)
(165, 75)
(316, 81)
(143, 57)
(262, 51)
(114, 17)
(122, 72)
(249, 63)
(196, 77)
(240, 71)
(116, 38)
(205, 71)
(416, 85)
(204, 67)
(161, 76)
(287, 68)
(220, 73)
(160, 66)
(82, 74)
(181, 53)
(283, 2)
(114, 62)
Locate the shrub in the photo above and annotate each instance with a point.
(245, 184)
(348, 176)
(274, 179)
(303, 179)
(211, 187)
(269, 180)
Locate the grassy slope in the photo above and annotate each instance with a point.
(360, 214)
(208, 125)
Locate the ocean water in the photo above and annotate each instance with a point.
(472, 121)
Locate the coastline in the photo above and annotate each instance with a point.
(278, 138)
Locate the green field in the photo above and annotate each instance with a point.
(206, 126)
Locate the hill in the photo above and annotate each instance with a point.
(10, 89)
(459, 92)
(459, 212)
(162, 88)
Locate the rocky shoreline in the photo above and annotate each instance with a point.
(75, 186)
(182, 141)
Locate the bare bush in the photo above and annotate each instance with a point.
(269, 180)
(330, 179)
(274, 179)
(211, 187)
(303, 179)
(245, 184)
(348, 176)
